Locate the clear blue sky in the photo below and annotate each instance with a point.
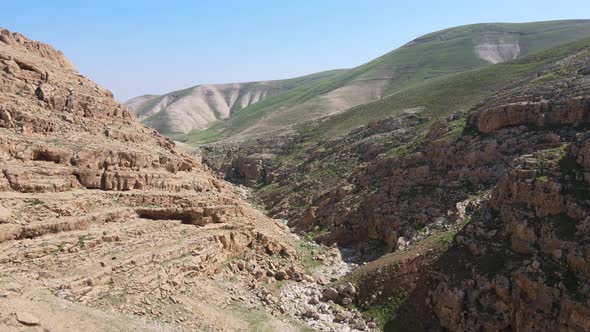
(138, 47)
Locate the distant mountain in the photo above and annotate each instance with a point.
(434, 55)
(197, 107)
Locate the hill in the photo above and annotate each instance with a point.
(426, 58)
(194, 108)
(94, 204)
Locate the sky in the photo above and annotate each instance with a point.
(152, 47)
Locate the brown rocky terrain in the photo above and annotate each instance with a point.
(106, 226)
(537, 278)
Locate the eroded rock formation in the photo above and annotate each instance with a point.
(100, 210)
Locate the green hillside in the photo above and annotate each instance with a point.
(401, 74)
(445, 95)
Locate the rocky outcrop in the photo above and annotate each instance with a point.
(250, 164)
(97, 209)
(250, 170)
(574, 111)
(540, 281)
(292, 175)
(63, 132)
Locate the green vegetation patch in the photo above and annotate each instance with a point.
(436, 244)
(307, 252)
(203, 136)
(35, 202)
(260, 320)
(384, 311)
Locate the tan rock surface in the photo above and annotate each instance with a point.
(103, 222)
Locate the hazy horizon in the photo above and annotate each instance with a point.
(149, 47)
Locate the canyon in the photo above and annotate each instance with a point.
(453, 202)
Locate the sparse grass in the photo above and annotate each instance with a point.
(82, 240)
(203, 136)
(440, 97)
(435, 244)
(384, 311)
(61, 246)
(54, 141)
(307, 251)
(394, 313)
(160, 120)
(456, 128)
(259, 320)
(35, 202)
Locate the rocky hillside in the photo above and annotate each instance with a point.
(483, 209)
(436, 55)
(196, 108)
(105, 225)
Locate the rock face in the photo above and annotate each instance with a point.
(540, 280)
(498, 48)
(521, 261)
(98, 209)
(250, 170)
(305, 173)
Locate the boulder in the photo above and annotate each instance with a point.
(281, 275)
(347, 290)
(342, 316)
(330, 294)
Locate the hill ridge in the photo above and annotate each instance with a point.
(402, 68)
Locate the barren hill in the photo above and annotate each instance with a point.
(200, 106)
(104, 224)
